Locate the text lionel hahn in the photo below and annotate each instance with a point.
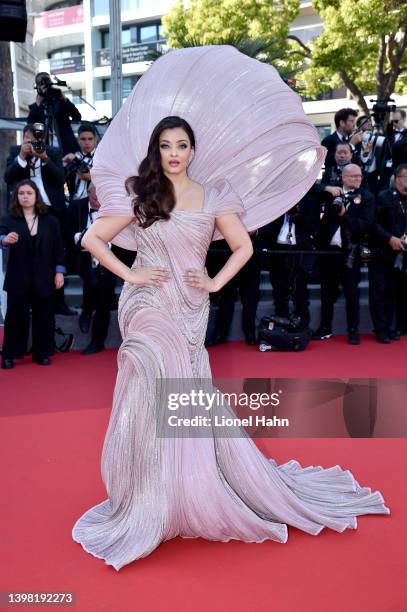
(222, 421)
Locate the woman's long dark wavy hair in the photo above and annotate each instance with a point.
(16, 210)
(154, 193)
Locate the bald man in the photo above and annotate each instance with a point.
(344, 226)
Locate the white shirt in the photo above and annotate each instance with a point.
(336, 238)
(35, 175)
(91, 217)
(81, 186)
(283, 237)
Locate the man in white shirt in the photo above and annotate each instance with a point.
(343, 227)
(98, 285)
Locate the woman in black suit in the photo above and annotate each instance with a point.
(35, 268)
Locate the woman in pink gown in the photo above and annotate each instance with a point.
(217, 488)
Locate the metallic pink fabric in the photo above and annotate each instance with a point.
(215, 488)
(249, 126)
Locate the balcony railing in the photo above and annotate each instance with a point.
(76, 63)
(130, 53)
(59, 17)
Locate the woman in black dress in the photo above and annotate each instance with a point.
(35, 269)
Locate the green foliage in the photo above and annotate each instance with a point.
(223, 21)
(356, 34)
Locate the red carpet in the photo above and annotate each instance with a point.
(52, 430)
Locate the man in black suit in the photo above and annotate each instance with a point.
(342, 229)
(289, 272)
(46, 170)
(388, 270)
(332, 176)
(98, 282)
(398, 138)
(371, 155)
(52, 102)
(345, 125)
(246, 282)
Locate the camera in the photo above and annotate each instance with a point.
(45, 88)
(77, 164)
(38, 144)
(345, 199)
(381, 109)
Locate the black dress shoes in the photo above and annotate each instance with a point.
(7, 364)
(42, 360)
(93, 348)
(322, 333)
(394, 334)
(353, 336)
(382, 337)
(84, 322)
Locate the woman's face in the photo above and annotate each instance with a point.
(175, 151)
(26, 196)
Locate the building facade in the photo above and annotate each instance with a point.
(71, 42)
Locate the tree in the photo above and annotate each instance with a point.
(7, 137)
(208, 22)
(363, 46)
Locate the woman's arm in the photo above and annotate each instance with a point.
(235, 234)
(95, 240)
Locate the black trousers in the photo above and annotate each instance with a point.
(17, 323)
(98, 296)
(289, 277)
(334, 272)
(400, 290)
(247, 284)
(382, 295)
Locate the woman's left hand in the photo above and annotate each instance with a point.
(199, 279)
(59, 280)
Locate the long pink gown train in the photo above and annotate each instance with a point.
(214, 488)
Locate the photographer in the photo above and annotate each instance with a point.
(98, 283)
(388, 271)
(77, 171)
(332, 176)
(343, 226)
(246, 283)
(398, 138)
(371, 154)
(289, 272)
(55, 111)
(35, 268)
(345, 125)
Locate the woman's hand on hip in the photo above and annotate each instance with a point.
(199, 279)
(149, 276)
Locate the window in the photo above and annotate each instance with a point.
(323, 130)
(126, 37)
(128, 83)
(74, 96)
(67, 52)
(148, 33)
(142, 33)
(63, 4)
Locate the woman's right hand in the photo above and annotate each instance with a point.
(151, 276)
(11, 238)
